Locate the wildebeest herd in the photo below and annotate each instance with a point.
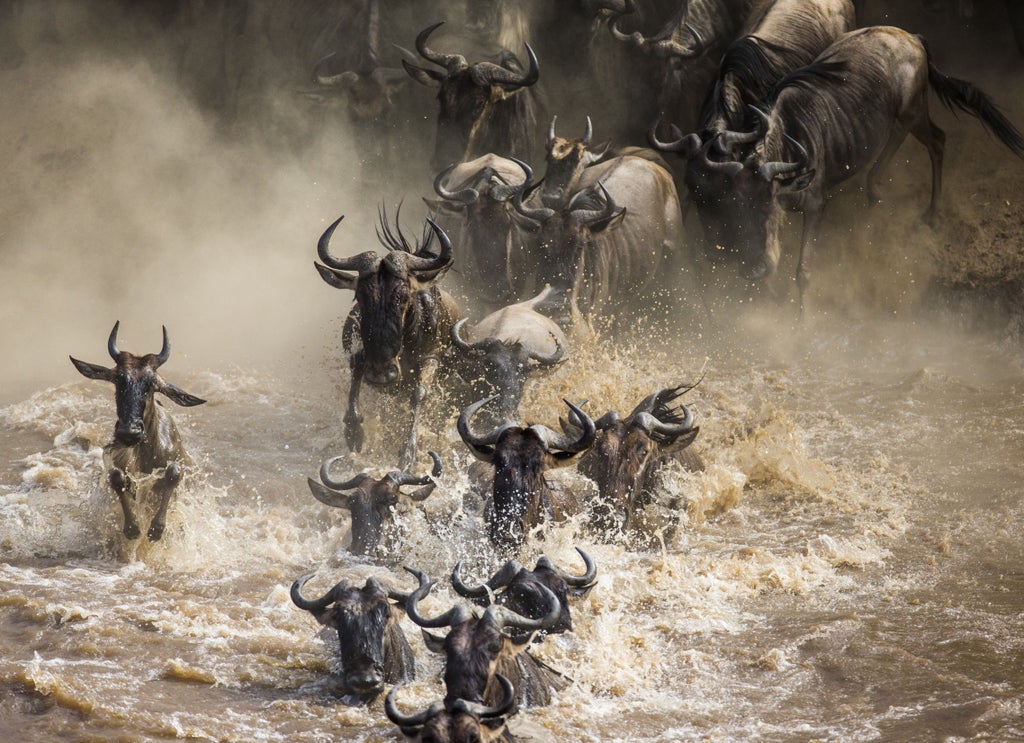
(744, 108)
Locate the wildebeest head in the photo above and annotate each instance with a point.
(669, 41)
(628, 451)
(135, 381)
(477, 641)
(566, 159)
(519, 589)
(469, 95)
(520, 457)
(388, 291)
(567, 236)
(373, 647)
(503, 365)
(461, 721)
(370, 500)
(734, 188)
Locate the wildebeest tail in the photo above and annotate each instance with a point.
(960, 94)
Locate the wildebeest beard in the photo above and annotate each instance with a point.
(519, 488)
(387, 309)
(361, 637)
(472, 648)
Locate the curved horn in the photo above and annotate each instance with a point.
(560, 442)
(687, 146)
(426, 263)
(554, 357)
(466, 432)
(464, 196)
(408, 721)
(730, 168)
(165, 349)
(461, 343)
(488, 73)
(345, 79)
(671, 48)
(727, 139)
(112, 342)
(483, 591)
(455, 615)
(551, 131)
(325, 476)
(360, 263)
(482, 711)
(588, 133)
(407, 478)
(770, 170)
(589, 216)
(452, 62)
(504, 617)
(575, 581)
(650, 424)
(317, 605)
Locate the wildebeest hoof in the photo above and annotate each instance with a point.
(155, 532)
(354, 435)
(131, 531)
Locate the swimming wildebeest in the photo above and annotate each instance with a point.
(521, 498)
(146, 441)
(373, 649)
(480, 643)
(459, 721)
(403, 318)
(371, 500)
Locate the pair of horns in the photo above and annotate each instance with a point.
(161, 358)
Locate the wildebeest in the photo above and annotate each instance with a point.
(404, 319)
(146, 441)
(484, 106)
(371, 500)
(477, 197)
(615, 242)
(372, 647)
(850, 108)
(779, 37)
(505, 347)
(517, 588)
(628, 453)
(521, 498)
(479, 645)
(461, 721)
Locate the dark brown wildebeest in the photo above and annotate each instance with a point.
(372, 647)
(146, 441)
(518, 589)
(850, 109)
(371, 500)
(404, 320)
(479, 644)
(521, 498)
(477, 197)
(461, 721)
(629, 452)
(484, 106)
(505, 347)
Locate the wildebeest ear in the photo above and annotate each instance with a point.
(337, 279)
(442, 205)
(611, 222)
(424, 76)
(799, 183)
(434, 643)
(178, 395)
(327, 496)
(93, 371)
(685, 440)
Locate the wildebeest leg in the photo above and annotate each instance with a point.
(925, 132)
(895, 140)
(163, 489)
(125, 489)
(353, 418)
(428, 370)
(809, 239)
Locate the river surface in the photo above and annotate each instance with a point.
(848, 566)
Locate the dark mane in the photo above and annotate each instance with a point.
(754, 61)
(813, 75)
(394, 239)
